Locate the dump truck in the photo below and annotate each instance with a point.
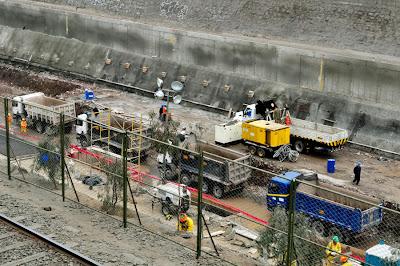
(43, 113)
(107, 129)
(304, 135)
(330, 213)
(224, 170)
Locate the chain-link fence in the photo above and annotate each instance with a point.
(146, 173)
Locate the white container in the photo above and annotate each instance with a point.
(228, 132)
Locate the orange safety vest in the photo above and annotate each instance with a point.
(9, 118)
(24, 124)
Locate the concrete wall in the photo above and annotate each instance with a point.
(348, 74)
(359, 94)
(370, 25)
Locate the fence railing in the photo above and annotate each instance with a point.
(127, 167)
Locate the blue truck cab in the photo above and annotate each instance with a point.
(329, 211)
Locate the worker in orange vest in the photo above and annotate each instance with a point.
(24, 125)
(9, 120)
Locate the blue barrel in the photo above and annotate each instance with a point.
(89, 95)
(331, 166)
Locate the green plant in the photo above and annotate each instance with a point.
(274, 240)
(49, 158)
(163, 132)
(113, 186)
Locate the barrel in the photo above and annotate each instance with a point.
(89, 95)
(331, 166)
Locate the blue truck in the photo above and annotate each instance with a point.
(328, 212)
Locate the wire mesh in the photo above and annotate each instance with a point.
(245, 204)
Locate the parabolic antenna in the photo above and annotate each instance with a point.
(176, 86)
(177, 99)
(159, 94)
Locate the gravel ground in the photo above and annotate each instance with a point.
(95, 235)
(18, 246)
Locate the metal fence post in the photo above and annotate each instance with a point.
(291, 220)
(125, 178)
(62, 154)
(199, 206)
(7, 137)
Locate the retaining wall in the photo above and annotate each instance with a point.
(370, 25)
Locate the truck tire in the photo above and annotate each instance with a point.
(83, 141)
(165, 209)
(261, 152)
(252, 150)
(318, 227)
(218, 191)
(185, 179)
(206, 187)
(39, 126)
(299, 146)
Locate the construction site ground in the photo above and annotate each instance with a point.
(379, 175)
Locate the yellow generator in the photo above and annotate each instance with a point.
(262, 136)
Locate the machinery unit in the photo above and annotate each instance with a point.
(266, 133)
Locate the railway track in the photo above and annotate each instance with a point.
(20, 245)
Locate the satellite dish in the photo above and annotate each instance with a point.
(176, 86)
(159, 82)
(177, 99)
(159, 94)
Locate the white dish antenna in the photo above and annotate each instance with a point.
(159, 94)
(176, 86)
(177, 99)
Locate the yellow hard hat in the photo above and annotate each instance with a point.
(23, 119)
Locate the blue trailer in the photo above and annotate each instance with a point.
(329, 212)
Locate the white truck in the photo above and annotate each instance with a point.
(43, 113)
(304, 135)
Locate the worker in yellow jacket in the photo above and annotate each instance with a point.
(185, 225)
(333, 250)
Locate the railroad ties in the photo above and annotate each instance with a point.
(20, 245)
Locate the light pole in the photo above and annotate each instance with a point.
(176, 87)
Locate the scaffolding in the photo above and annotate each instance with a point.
(106, 131)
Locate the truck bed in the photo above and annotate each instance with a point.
(322, 193)
(48, 109)
(221, 165)
(46, 101)
(317, 132)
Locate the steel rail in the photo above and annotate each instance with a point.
(48, 241)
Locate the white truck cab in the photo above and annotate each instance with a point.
(18, 108)
(248, 113)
